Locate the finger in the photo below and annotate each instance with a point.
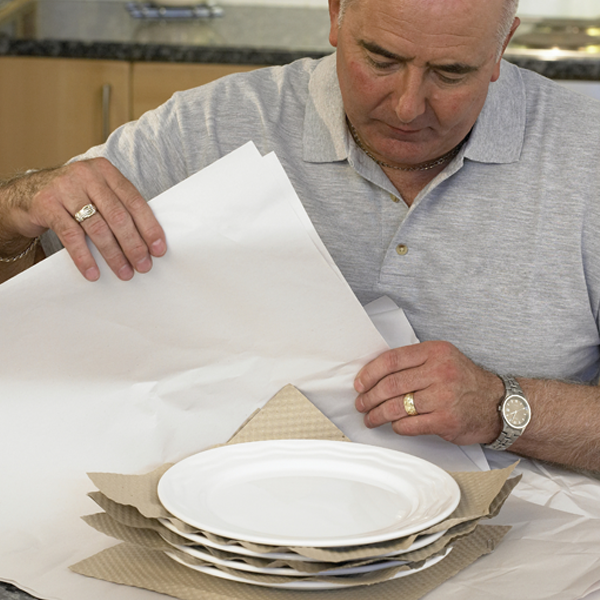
(393, 385)
(72, 238)
(426, 424)
(72, 234)
(391, 361)
(116, 200)
(394, 409)
(144, 219)
(98, 230)
(436, 424)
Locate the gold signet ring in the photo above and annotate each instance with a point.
(89, 210)
(409, 405)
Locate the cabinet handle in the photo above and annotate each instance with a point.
(106, 92)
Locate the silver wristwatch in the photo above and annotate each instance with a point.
(515, 412)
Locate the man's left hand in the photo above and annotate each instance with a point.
(455, 399)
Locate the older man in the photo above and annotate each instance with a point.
(463, 187)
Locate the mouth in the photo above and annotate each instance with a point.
(405, 130)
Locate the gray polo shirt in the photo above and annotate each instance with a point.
(503, 245)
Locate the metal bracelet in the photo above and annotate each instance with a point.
(23, 254)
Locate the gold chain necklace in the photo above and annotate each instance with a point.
(422, 167)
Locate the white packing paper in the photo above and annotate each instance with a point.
(124, 376)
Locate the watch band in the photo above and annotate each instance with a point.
(509, 434)
(505, 439)
(511, 386)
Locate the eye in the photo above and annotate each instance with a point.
(449, 79)
(380, 64)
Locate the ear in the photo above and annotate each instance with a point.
(334, 13)
(515, 24)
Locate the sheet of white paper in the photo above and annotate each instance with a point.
(124, 376)
(391, 322)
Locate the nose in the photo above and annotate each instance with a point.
(411, 99)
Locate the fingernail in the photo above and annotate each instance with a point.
(358, 385)
(144, 265)
(359, 405)
(92, 274)
(125, 273)
(158, 248)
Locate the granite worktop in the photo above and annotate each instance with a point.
(245, 34)
(105, 29)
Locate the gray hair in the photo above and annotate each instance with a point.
(509, 12)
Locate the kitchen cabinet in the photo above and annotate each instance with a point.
(154, 83)
(52, 109)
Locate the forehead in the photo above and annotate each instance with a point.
(462, 28)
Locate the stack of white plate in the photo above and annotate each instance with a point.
(304, 514)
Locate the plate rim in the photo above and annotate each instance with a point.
(368, 452)
(378, 565)
(422, 541)
(315, 585)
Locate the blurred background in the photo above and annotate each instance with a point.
(71, 71)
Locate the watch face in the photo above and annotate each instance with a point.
(516, 412)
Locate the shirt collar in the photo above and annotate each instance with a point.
(497, 136)
(325, 132)
(498, 133)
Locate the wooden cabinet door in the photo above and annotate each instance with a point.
(155, 83)
(51, 109)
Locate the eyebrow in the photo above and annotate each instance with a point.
(455, 68)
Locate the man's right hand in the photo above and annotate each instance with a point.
(123, 229)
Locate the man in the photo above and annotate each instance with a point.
(433, 173)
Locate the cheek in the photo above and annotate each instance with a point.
(459, 107)
(361, 89)
(355, 78)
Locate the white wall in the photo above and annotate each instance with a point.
(551, 8)
(560, 8)
(302, 3)
(589, 88)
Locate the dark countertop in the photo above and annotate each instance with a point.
(104, 29)
(262, 35)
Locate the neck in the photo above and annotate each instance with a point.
(425, 166)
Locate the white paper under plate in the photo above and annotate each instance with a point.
(235, 548)
(308, 493)
(306, 585)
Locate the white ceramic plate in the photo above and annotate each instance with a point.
(283, 571)
(236, 549)
(296, 585)
(308, 493)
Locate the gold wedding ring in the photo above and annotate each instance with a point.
(409, 405)
(89, 210)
